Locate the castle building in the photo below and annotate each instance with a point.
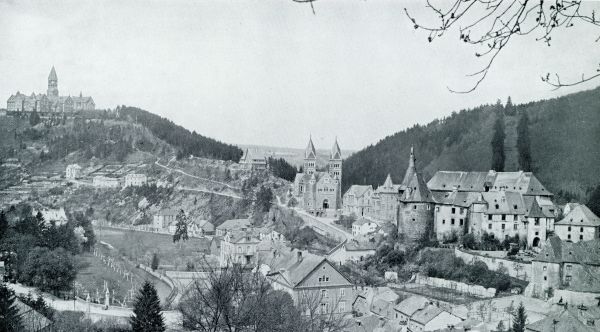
(319, 192)
(51, 102)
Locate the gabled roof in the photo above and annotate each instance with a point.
(410, 305)
(359, 190)
(524, 182)
(534, 210)
(310, 152)
(411, 170)
(293, 269)
(456, 198)
(425, 315)
(336, 152)
(563, 321)
(31, 319)
(362, 221)
(580, 215)
(507, 202)
(389, 186)
(234, 224)
(557, 251)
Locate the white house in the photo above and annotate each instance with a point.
(73, 171)
(58, 216)
(362, 227)
(164, 218)
(432, 318)
(105, 182)
(580, 224)
(135, 180)
(351, 251)
(200, 228)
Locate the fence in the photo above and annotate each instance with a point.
(516, 269)
(473, 290)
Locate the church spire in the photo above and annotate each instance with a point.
(52, 76)
(310, 152)
(336, 152)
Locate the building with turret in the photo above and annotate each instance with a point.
(51, 102)
(319, 192)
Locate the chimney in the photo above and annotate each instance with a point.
(299, 256)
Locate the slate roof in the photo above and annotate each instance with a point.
(416, 190)
(456, 198)
(523, 182)
(167, 212)
(359, 190)
(309, 152)
(52, 76)
(581, 215)
(565, 321)
(361, 221)
(389, 186)
(370, 323)
(410, 305)
(542, 208)
(239, 236)
(234, 224)
(425, 315)
(557, 251)
(508, 202)
(336, 152)
(294, 270)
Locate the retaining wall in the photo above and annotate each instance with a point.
(473, 290)
(515, 269)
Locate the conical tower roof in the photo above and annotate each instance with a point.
(336, 152)
(535, 211)
(52, 76)
(388, 182)
(411, 170)
(310, 152)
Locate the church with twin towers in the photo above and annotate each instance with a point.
(320, 191)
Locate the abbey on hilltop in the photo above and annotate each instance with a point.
(50, 102)
(320, 192)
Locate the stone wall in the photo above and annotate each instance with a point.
(415, 220)
(473, 290)
(516, 269)
(575, 298)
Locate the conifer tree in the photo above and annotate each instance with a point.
(519, 319)
(146, 311)
(10, 320)
(523, 143)
(3, 224)
(154, 263)
(498, 143)
(594, 201)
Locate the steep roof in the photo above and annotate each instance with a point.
(410, 305)
(52, 76)
(563, 321)
(389, 186)
(336, 152)
(359, 190)
(425, 315)
(534, 210)
(524, 182)
(504, 202)
(411, 170)
(292, 269)
(310, 152)
(234, 224)
(456, 198)
(580, 215)
(416, 190)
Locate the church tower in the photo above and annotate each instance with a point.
(52, 84)
(310, 158)
(335, 161)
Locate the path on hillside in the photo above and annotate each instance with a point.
(167, 167)
(511, 153)
(208, 192)
(323, 226)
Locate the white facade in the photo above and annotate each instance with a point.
(575, 233)
(363, 227)
(135, 180)
(73, 171)
(105, 182)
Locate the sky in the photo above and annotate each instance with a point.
(270, 72)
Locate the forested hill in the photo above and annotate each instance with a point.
(186, 142)
(564, 134)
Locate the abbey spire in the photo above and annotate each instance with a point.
(52, 84)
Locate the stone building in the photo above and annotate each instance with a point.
(357, 200)
(580, 224)
(135, 180)
(73, 171)
(567, 265)
(239, 247)
(386, 199)
(319, 192)
(415, 209)
(163, 219)
(105, 182)
(51, 102)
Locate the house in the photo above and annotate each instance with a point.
(239, 247)
(580, 224)
(57, 216)
(565, 320)
(352, 251)
(369, 323)
(233, 224)
(357, 200)
(406, 308)
(383, 304)
(253, 161)
(451, 214)
(105, 182)
(135, 180)
(365, 300)
(200, 228)
(73, 171)
(566, 265)
(31, 320)
(318, 192)
(163, 219)
(363, 227)
(385, 201)
(313, 282)
(432, 318)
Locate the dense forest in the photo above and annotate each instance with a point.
(186, 142)
(561, 146)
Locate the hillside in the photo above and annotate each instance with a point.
(564, 135)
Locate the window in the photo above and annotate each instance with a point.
(503, 217)
(569, 267)
(342, 292)
(443, 221)
(569, 236)
(489, 217)
(323, 308)
(537, 221)
(489, 226)
(437, 209)
(545, 278)
(537, 233)
(581, 229)
(414, 207)
(461, 222)
(497, 206)
(569, 229)
(453, 210)
(503, 226)
(568, 278)
(580, 237)
(545, 268)
(462, 210)
(452, 221)
(324, 293)
(516, 226)
(342, 306)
